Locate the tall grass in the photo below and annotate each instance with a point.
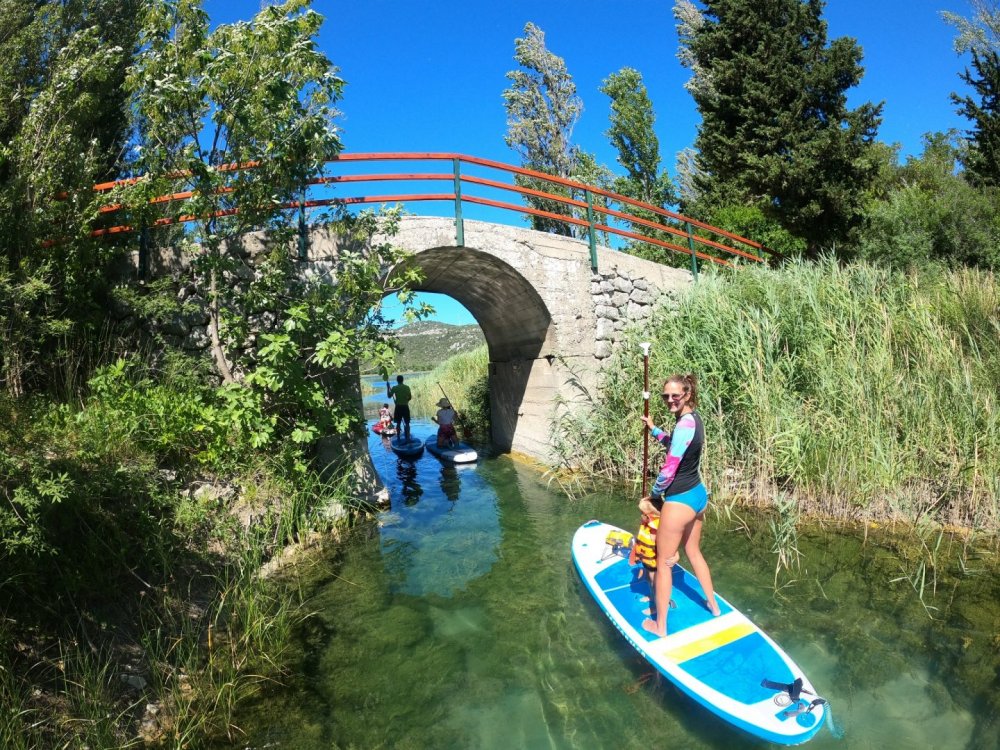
(862, 393)
(465, 380)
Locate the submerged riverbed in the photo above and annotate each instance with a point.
(458, 621)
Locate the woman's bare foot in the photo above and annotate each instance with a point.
(713, 607)
(650, 625)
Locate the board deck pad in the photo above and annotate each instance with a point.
(718, 661)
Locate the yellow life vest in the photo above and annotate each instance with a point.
(645, 542)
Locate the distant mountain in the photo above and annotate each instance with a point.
(426, 344)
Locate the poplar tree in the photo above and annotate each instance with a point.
(62, 128)
(542, 109)
(981, 32)
(776, 132)
(635, 140)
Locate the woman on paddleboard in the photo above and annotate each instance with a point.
(681, 497)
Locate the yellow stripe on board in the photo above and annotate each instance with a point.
(709, 643)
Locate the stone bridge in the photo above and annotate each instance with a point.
(550, 321)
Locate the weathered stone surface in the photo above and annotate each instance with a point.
(197, 339)
(622, 284)
(641, 296)
(605, 329)
(638, 312)
(607, 311)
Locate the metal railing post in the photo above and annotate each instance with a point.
(592, 232)
(694, 257)
(459, 223)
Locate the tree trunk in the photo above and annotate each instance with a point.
(213, 328)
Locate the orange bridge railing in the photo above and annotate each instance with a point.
(568, 207)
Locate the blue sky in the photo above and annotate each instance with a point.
(429, 76)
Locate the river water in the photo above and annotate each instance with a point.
(458, 621)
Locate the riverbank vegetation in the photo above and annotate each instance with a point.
(164, 439)
(136, 524)
(852, 390)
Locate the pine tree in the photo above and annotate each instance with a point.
(982, 161)
(776, 132)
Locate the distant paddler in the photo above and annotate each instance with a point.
(401, 395)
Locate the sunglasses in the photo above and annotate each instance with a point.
(673, 396)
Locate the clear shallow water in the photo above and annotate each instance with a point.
(459, 622)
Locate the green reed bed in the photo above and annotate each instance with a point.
(864, 393)
(465, 380)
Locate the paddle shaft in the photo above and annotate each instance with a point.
(458, 417)
(645, 413)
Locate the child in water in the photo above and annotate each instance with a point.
(644, 549)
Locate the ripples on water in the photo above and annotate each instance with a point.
(459, 622)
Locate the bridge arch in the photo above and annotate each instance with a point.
(550, 320)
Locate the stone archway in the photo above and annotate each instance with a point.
(549, 319)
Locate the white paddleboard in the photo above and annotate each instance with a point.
(725, 663)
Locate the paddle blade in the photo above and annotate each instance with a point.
(835, 729)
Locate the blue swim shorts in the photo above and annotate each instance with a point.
(695, 498)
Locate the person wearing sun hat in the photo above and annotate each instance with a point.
(445, 419)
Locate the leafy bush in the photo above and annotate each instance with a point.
(928, 212)
(750, 221)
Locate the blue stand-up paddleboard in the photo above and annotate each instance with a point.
(460, 454)
(725, 663)
(404, 448)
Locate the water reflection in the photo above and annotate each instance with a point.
(442, 530)
(464, 625)
(406, 473)
(451, 485)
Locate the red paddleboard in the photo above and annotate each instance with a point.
(379, 430)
